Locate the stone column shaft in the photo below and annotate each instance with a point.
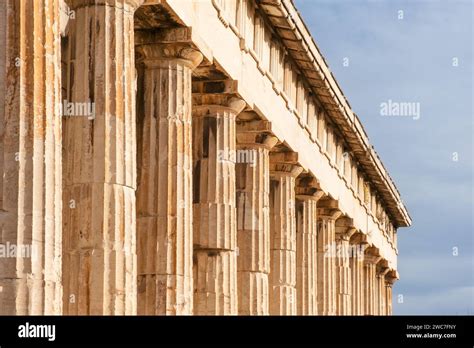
(327, 262)
(388, 294)
(369, 274)
(283, 241)
(343, 271)
(30, 161)
(376, 294)
(164, 198)
(390, 277)
(253, 225)
(370, 267)
(306, 255)
(382, 295)
(214, 203)
(357, 277)
(99, 226)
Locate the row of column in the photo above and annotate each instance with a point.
(214, 235)
(68, 184)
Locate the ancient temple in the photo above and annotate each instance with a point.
(179, 157)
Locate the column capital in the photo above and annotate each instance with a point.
(328, 214)
(308, 185)
(328, 208)
(284, 164)
(344, 228)
(371, 259)
(346, 234)
(372, 256)
(255, 140)
(391, 277)
(156, 48)
(216, 96)
(75, 4)
(363, 248)
(292, 170)
(382, 272)
(310, 197)
(382, 268)
(359, 238)
(156, 55)
(253, 132)
(207, 104)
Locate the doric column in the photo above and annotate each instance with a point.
(382, 270)
(359, 244)
(283, 172)
(164, 197)
(327, 216)
(253, 216)
(99, 162)
(390, 279)
(30, 161)
(388, 296)
(306, 245)
(344, 231)
(370, 264)
(214, 201)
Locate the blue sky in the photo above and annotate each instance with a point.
(411, 60)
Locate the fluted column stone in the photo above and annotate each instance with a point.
(307, 197)
(164, 197)
(382, 270)
(370, 265)
(357, 273)
(283, 173)
(30, 161)
(344, 291)
(99, 216)
(390, 279)
(253, 218)
(214, 203)
(327, 216)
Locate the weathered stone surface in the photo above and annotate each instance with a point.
(390, 279)
(215, 282)
(223, 218)
(306, 255)
(214, 203)
(381, 294)
(283, 299)
(253, 220)
(371, 286)
(357, 273)
(30, 158)
(164, 197)
(344, 231)
(327, 215)
(99, 227)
